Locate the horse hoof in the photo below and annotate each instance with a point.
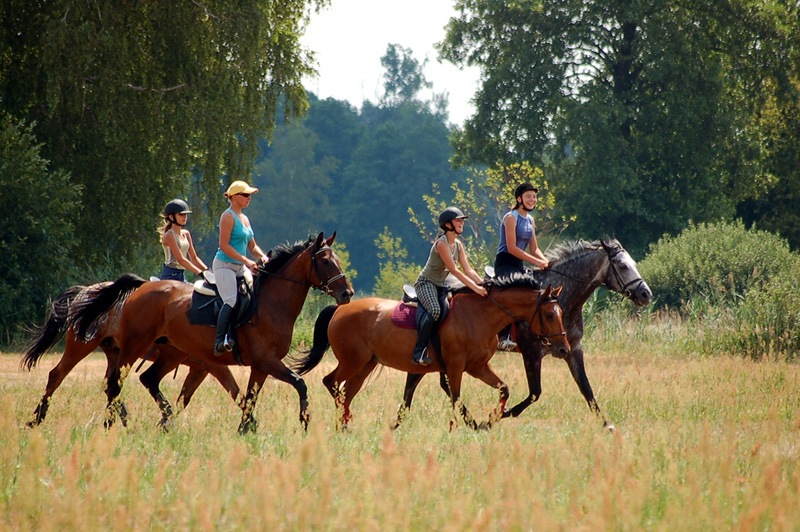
(609, 427)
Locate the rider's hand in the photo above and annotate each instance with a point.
(481, 291)
(251, 264)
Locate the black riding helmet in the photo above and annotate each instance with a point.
(176, 206)
(520, 190)
(450, 214)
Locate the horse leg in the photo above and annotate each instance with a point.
(454, 380)
(249, 424)
(487, 375)
(273, 366)
(151, 378)
(74, 352)
(351, 387)
(412, 381)
(576, 367)
(532, 354)
(115, 376)
(197, 375)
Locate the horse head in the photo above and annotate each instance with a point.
(547, 322)
(623, 275)
(327, 269)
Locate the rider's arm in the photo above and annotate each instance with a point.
(537, 257)
(444, 252)
(169, 240)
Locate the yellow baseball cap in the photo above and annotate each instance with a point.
(239, 187)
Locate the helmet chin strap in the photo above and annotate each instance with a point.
(174, 221)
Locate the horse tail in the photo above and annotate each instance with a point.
(45, 336)
(320, 345)
(88, 315)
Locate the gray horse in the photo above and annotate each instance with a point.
(580, 267)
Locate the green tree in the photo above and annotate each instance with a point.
(641, 112)
(403, 75)
(134, 98)
(37, 209)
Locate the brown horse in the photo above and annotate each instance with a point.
(362, 335)
(158, 313)
(76, 348)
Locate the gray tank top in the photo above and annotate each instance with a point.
(183, 245)
(435, 270)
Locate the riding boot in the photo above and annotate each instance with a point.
(222, 342)
(426, 327)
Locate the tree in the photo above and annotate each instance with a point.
(403, 75)
(37, 209)
(641, 112)
(134, 98)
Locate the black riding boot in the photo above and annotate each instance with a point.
(426, 328)
(222, 342)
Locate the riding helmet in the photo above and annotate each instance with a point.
(450, 214)
(523, 188)
(176, 206)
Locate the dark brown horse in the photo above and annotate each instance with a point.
(580, 268)
(57, 325)
(363, 335)
(158, 313)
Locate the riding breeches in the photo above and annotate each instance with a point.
(226, 274)
(428, 295)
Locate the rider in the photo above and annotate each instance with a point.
(518, 234)
(446, 252)
(179, 253)
(235, 240)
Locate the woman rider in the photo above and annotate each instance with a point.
(447, 253)
(518, 243)
(179, 252)
(235, 240)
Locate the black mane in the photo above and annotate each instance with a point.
(279, 256)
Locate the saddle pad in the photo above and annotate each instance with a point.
(403, 316)
(202, 310)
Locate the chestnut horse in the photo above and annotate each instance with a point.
(362, 335)
(158, 313)
(57, 324)
(580, 267)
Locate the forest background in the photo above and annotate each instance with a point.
(637, 120)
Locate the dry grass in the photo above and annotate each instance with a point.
(702, 444)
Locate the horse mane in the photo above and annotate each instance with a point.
(515, 280)
(279, 256)
(569, 250)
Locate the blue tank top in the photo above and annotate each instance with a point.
(240, 237)
(524, 231)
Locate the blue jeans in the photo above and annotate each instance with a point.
(172, 274)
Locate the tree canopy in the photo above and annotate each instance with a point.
(135, 100)
(644, 114)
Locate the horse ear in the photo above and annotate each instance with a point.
(318, 241)
(331, 238)
(557, 290)
(547, 291)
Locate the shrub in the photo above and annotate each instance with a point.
(718, 262)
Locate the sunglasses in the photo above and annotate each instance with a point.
(243, 195)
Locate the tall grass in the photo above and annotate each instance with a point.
(702, 443)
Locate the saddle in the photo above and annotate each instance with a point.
(408, 313)
(206, 304)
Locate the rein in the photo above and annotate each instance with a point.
(545, 338)
(624, 287)
(324, 286)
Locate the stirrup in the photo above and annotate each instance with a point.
(422, 359)
(225, 346)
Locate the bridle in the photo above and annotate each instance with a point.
(624, 288)
(314, 268)
(544, 338)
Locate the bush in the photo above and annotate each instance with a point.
(718, 262)
(768, 320)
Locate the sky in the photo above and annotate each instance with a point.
(350, 36)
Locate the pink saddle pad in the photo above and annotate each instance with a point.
(403, 316)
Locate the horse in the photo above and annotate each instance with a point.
(580, 267)
(158, 313)
(363, 335)
(76, 348)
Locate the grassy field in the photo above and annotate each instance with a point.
(701, 444)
